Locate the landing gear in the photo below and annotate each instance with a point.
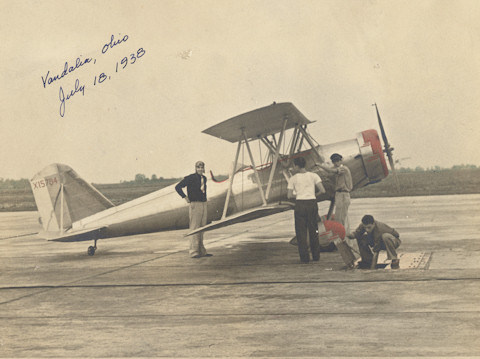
(330, 209)
(91, 250)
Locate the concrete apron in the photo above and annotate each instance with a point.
(141, 296)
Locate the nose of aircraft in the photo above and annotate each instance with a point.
(371, 136)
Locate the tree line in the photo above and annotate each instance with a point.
(140, 178)
(437, 168)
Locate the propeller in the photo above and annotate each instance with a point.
(388, 149)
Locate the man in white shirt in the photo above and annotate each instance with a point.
(302, 186)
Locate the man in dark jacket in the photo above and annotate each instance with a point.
(196, 184)
(379, 236)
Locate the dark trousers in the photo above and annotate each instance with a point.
(364, 248)
(388, 243)
(306, 213)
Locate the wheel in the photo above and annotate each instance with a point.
(91, 250)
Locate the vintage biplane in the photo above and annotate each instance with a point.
(71, 209)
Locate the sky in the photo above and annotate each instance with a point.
(175, 68)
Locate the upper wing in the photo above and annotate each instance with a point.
(244, 216)
(258, 123)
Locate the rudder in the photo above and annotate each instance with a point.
(62, 197)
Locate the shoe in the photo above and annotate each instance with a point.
(363, 265)
(395, 264)
(348, 267)
(197, 256)
(331, 247)
(208, 255)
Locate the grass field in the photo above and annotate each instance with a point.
(425, 183)
(421, 183)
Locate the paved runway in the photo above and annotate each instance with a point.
(141, 296)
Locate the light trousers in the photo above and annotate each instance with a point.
(198, 218)
(342, 202)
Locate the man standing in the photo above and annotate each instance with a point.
(196, 184)
(378, 235)
(301, 186)
(343, 186)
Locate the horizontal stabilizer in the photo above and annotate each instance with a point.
(76, 236)
(244, 216)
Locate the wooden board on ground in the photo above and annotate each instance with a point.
(409, 260)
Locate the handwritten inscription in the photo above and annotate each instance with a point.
(66, 93)
(48, 80)
(63, 98)
(124, 62)
(113, 43)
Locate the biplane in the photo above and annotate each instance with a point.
(72, 210)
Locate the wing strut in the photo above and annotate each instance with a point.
(330, 208)
(230, 180)
(296, 135)
(275, 158)
(252, 160)
(61, 209)
(310, 142)
(262, 124)
(268, 144)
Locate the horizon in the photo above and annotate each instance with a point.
(148, 178)
(133, 90)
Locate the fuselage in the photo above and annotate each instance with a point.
(165, 209)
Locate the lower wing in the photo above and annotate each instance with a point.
(245, 216)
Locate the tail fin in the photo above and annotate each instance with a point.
(62, 197)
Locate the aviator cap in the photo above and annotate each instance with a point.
(199, 163)
(336, 157)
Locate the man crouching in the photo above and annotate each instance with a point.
(379, 236)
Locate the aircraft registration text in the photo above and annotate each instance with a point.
(44, 183)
